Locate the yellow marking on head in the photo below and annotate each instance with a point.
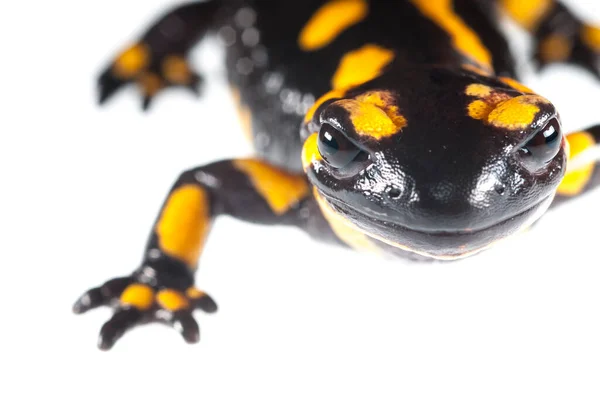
(591, 36)
(488, 99)
(172, 300)
(527, 13)
(386, 102)
(369, 119)
(343, 229)
(184, 223)
(332, 94)
(516, 113)
(500, 109)
(555, 48)
(150, 83)
(478, 90)
(517, 85)
(176, 70)
(310, 151)
(280, 189)
(361, 65)
(194, 293)
(138, 296)
(441, 12)
(132, 61)
(329, 21)
(244, 114)
(575, 181)
(479, 109)
(476, 69)
(374, 114)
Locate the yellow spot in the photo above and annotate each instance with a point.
(465, 40)
(244, 114)
(150, 83)
(374, 114)
(527, 13)
(360, 66)
(516, 85)
(343, 229)
(330, 95)
(138, 296)
(194, 293)
(184, 223)
(516, 113)
(132, 61)
(172, 300)
(280, 189)
(489, 99)
(499, 109)
(384, 100)
(555, 48)
(176, 70)
(480, 110)
(478, 90)
(591, 36)
(575, 181)
(369, 120)
(579, 142)
(329, 21)
(310, 151)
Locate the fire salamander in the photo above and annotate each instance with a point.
(396, 127)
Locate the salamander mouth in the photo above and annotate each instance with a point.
(344, 209)
(443, 245)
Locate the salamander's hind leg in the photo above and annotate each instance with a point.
(159, 58)
(561, 37)
(583, 168)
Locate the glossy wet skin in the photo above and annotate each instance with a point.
(436, 161)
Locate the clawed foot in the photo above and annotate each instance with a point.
(151, 71)
(136, 303)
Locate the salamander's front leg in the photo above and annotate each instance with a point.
(159, 59)
(162, 287)
(560, 35)
(583, 168)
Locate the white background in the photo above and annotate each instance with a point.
(81, 186)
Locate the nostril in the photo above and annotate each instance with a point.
(393, 193)
(500, 189)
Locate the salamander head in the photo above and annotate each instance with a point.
(435, 161)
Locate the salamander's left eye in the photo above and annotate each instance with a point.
(544, 145)
(335, 148)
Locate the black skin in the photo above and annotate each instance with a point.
(442, 156)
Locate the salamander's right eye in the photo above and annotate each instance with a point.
(335, 148)
(544, 145)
